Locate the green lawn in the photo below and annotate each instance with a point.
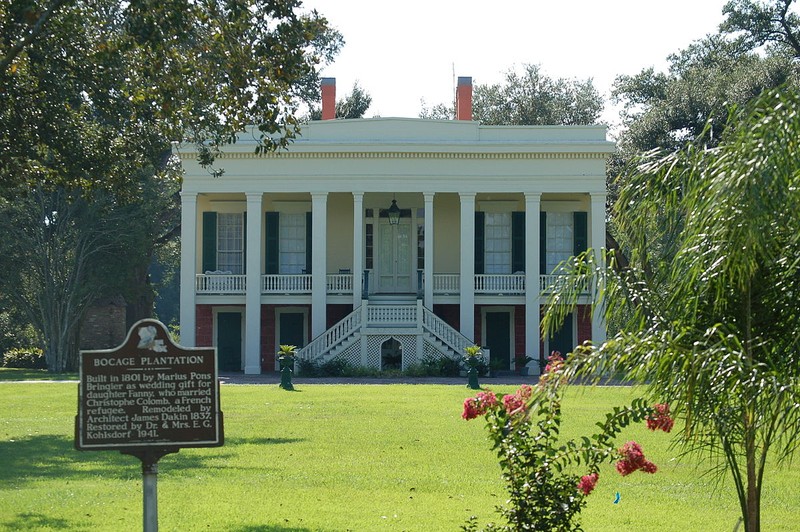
(335, 457)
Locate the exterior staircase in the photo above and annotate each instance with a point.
(358, 337)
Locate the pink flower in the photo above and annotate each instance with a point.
(660, 418)
(587, 483)
(479, 405)
(470, 408)
(525, 392)
(513, 404)
(633, 460)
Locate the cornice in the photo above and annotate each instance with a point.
(401, 155)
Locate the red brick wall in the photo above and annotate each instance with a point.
(336, 313)
(450, 314)
(584, 316)
(519, 336)
(268, 331)
(204, 326)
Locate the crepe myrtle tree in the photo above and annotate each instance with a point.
(704, 292)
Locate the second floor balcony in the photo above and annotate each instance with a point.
(444, 284)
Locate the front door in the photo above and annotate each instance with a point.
(292, 329)
(562, 341)
(498, 340)
(394, 257)
(229, 341)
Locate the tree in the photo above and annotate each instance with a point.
(707, 296)
(93, 94)
(760, 23)
(354, 105)
(79, 77)
(532, 98)
(529, 98)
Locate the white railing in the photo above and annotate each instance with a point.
(392, 315)
(340, 283)
(554, 283)
(286, 284)
(500, 284)
(327, 340)
(446, 283)
(446, 334)
(219, 283)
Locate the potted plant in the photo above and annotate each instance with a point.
(473, 357)
(286, 357)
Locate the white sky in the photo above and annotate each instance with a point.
(404, 51)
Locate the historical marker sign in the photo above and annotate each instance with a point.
(149, 392)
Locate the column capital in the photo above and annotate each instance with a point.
(188, 196)
(467, 195)
(319, 195)
(535, 196)
(253, 196)
(428, 196)
(597, 196)
(358, 196)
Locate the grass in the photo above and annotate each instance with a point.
(17, 374)
(335, 457)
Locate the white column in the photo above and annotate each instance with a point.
(467, 277)
(252, 320)
(428, 263)
(532, 279)
(319, 262)
(597, 241)
(188, 312)
(358, 246)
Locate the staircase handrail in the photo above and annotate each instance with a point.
(444, 332)
(331, 337)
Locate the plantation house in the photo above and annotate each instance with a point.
(388, 240)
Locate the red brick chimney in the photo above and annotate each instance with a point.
(464, 98)
(328, 98)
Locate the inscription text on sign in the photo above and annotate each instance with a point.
(148, 392)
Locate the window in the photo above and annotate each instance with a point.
(560, 239)
(230, 242)
(292, 249)
(497, 238)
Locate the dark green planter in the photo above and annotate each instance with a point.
(472, 379)
(286, 375)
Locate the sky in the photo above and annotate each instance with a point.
(407, 51)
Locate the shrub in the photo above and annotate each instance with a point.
(24, 357)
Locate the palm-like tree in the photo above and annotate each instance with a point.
(704, 292)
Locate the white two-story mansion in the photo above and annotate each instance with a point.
(384, 241)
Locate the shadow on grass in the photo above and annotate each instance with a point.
(19, 374)
(49, 457)
(270, 528)
(36, 521)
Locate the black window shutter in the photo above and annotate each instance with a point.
(480, 245)
(581, 242)
(543, 243)
(517, 241)
(272, 261)
(309, 241)
(209, 241)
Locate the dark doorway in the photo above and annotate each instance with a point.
(292, 330)
(498, 339)
(562, 341)
(229, 341)
(391, 355)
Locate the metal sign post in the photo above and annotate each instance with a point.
(148, 398)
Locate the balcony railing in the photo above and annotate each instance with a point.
(342, 283)
(220, 283)
(500, 284)
(298, 283)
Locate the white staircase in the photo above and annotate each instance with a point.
(358, 337)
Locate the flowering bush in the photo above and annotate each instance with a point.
(524, 428)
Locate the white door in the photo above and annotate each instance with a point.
(394, 257)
